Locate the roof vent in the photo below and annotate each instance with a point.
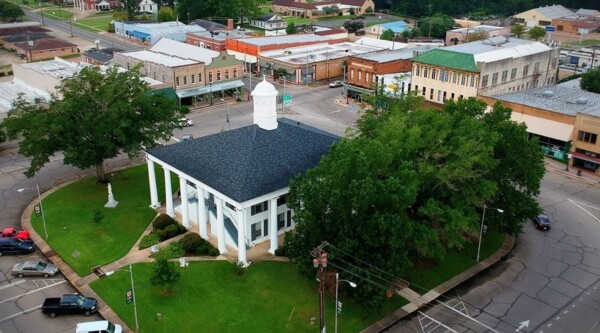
(548, 93)
(581, 101)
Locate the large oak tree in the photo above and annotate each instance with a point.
(98, 116)
(411, 185)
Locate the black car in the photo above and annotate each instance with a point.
(15, 246)
(542, 222)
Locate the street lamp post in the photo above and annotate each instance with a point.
(37, 187)
(228, 113)
(30, 45)
(137, 326)
(337, 283)
(42, 13)
(321, 263)
(71, 27)
(307, 57)
(481, 230)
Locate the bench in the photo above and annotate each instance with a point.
(98, 271)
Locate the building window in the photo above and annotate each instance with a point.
(418, 71)
(513, 73)
(280, 221)
(439, 95)
(256, 231)
(525, 70)
(199, 77)
(235, 73)
(352, 74)
(431, 94)
(359, 75)
(193, 78)
(452, 96)
(454, 78)
(185, 79)
(504, 76)
(424, 90)
(227, 74)
(494, 78)
(259, 208)
(587, 137)
(366, 77)
(484, 81)
(210, 79)
(433, 74)
(536, 68)
(472, 81)
(230, 206)
(463, 80)
(177, 81)
(282, 200)
(218, 75)
(425, 72)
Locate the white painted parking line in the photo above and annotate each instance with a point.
(174, 138)
(580, 205)
(32, 291)
(18, 282)
(19, 313)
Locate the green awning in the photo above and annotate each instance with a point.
(361, 90)
(169, 92)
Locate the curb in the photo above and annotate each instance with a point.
(571, 175)
(412, 307)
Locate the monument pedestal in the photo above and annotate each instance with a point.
(112, 203)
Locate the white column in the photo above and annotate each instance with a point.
(273, 225)
(202, 217)
(241, 236)
(169, 193)
(152, 178)
(185, 214)
(220, 226)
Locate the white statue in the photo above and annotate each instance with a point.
(110, 194)
(112, 203)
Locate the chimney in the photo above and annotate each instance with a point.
(229, 24)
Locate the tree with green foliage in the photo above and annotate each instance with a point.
(477, 35)
(130, 7)
(10, 11)
(388, 35)
(166, 14)
(291, 28)
(435, 25)
(369, 11)
(353, 25)
(536, 33)
(164, 273)
(518, 30)
(99, 116)
(411, 185)
(220, 8)
(590, 81)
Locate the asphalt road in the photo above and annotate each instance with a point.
(549, 284)
(20, 299)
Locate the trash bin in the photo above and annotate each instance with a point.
(579, 172)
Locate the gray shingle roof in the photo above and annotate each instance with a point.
(249, 162)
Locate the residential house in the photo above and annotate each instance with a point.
(102, 5)
(310, 9)
(564, 118)
(486, 67)
(234, 184)
(148, 6)
(590, 13)
(542, 16)
(269, 22)
(45, 48)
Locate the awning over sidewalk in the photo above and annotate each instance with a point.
(544, 127)
(361, 90)
(139, 34)
(586, 158)
(210, 88)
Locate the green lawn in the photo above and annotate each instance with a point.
(585, 42)
(57, 13)
(269, 297)
(72, 207)
(94, 24)
(425, 277)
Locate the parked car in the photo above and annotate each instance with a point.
(542, 222)
(360, 32)
(185, 122)
(102, 326)
(15, 246)
(69, 304)
(14, 233)
(34, 268)
(187, 137)
(336, 84)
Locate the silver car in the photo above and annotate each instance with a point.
(34, 268)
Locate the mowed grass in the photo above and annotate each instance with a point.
(210, 297)
(81, 242)
(94, 23)
(57, 13)
(425, 277)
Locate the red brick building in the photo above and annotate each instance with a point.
(45, 48)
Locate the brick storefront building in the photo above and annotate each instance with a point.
(45, 48)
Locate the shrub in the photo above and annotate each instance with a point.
(213, 251)
(172, 251)
(280, 252)
(148, 240)
(184, 109)
(238, 268)
(162, 221)
(191, 242)
(10, 72)
(161, 234)
(172, 231)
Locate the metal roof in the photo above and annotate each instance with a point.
(10, 91)
(554, 11)
(498, 48)
(57, 68)
(478, 28)
(405, 53)
(159, 58)
(563, 99)
(317, 52)
(260, 41)
(184, 50)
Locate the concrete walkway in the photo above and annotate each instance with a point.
(135, 256)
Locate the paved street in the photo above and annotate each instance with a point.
(551, 279)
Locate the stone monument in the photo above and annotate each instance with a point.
(112, 203)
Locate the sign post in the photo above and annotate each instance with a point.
(550, 29)
(129, 296)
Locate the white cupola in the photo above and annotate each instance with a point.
(265, 105)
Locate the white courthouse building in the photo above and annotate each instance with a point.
(237, 181)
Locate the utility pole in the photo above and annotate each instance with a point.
(320, 262)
